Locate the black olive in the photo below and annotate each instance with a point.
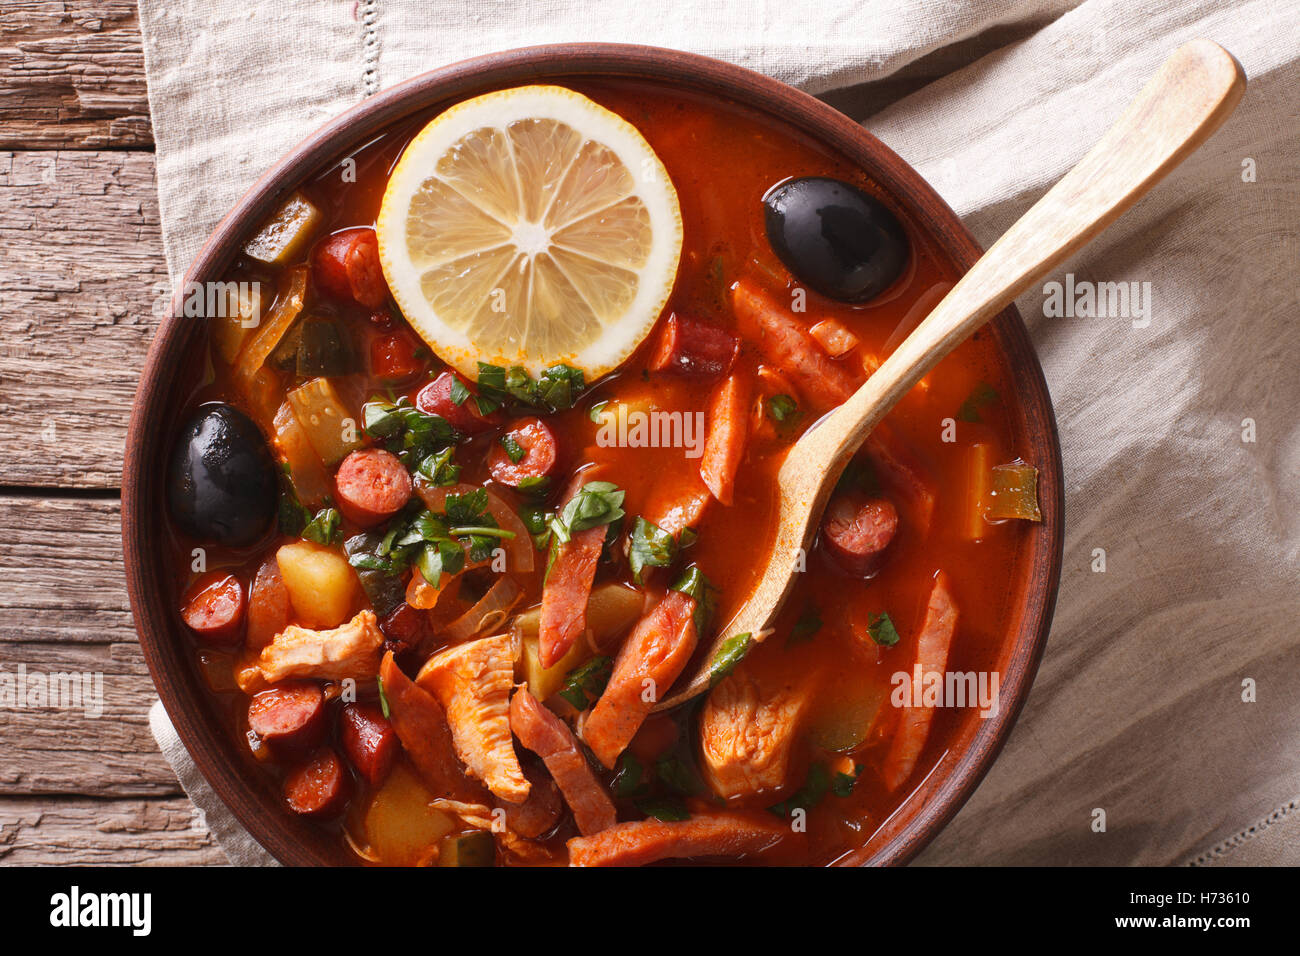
(221, 481)
(835, 238)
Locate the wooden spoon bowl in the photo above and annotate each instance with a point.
(208, 733)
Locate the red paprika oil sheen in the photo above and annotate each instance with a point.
(723, 159)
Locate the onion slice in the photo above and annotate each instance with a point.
(491, 610)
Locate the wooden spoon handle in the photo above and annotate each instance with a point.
(1187, 99)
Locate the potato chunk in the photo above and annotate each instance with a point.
(322, 586)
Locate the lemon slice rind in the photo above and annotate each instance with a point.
(573, 207)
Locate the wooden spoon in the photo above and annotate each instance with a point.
(1189, 97)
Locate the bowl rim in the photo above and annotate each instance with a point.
(258, 808)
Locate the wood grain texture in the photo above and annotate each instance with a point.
(61, 573)
(103, 750)
(62, 592)
(85, 831)
(80, 280)
(81, 271)
(72, 75)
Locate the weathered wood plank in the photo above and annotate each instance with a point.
(61, 575)
(72, 75)
(92, 734)
(81, 280)
(63, 596)
(84, 831)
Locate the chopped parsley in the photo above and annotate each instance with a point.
(324, 527)
(405, 431)
(983, 394)
(596, 503)
(291, 514)
(557, 388)
(814, 789)
(535, 485)
(459, 391)
(435, 544)
(731, 653)
(809, 623)
(677, 772)
(843, 783)
(649, 546)
(881, 628)
(514, 450)
(440, 468)
(586, 683)
(667, 809)
(629, 777)
(694, 583)
(781, 408)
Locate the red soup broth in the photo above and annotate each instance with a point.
(722, 159)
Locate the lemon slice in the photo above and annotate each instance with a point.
(530, 227)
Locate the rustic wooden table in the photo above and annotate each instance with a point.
(81, 267)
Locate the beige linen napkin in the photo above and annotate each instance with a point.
(1178, 424)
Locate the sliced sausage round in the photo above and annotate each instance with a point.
(369, 741)
(396, 356)
(692, 347)
(320, 787)
(269, 609)
(857, 532)
(533, 443)
(402, 627)
(288, 718)
(346, 266)
(213, 608)
(372, 485)
(435, 399)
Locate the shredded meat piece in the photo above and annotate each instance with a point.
(747, 733)
(350, 650)
(472, 681)
(550, 738)
(728, 835)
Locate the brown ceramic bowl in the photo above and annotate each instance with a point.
(251, 795)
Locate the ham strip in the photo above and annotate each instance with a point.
(566, 592)
(724, 445)
(640, 842)
(421, 726)
(787, 344)
(931, 657)
(550, 738)
(657, 650)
